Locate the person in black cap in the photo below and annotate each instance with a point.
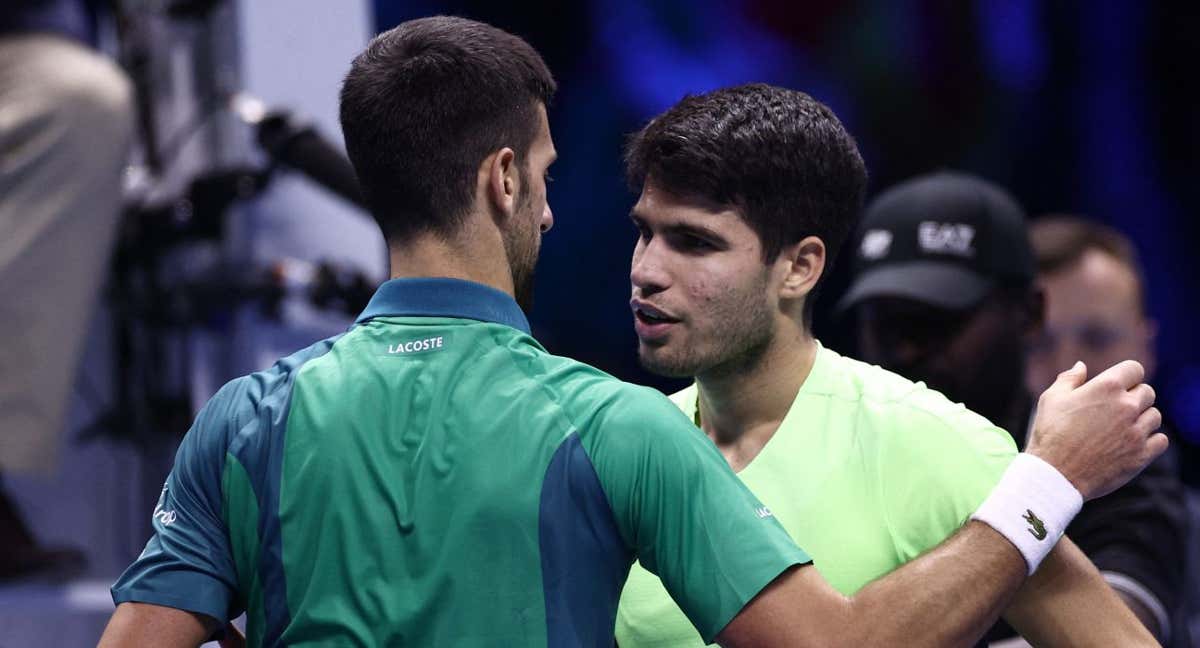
(944, 293)
(943, 276)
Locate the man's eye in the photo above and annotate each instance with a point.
(1097, 338)
(696, 243)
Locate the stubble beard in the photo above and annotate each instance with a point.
(522, 245)
(740, 334)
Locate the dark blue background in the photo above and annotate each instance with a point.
(1076, 107)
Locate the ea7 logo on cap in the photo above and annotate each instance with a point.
(946, 238)
(875, 244)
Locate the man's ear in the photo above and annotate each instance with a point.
(502, 182)
(801, 265)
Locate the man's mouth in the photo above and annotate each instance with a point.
(647, 318)
(650, 323)
(649, 314)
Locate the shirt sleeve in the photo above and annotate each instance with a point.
(1135, 536)
(688, 518)
(937, 465)
(188, 564)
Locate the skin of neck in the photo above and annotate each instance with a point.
(742, 406)
(474, 252)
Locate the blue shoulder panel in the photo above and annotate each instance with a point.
(584, 560)
(188, 562)
(258, 445)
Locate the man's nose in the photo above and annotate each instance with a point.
(1067, 352)
(647, 273)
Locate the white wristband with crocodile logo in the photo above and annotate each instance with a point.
(1031, 507)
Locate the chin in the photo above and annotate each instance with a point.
(661, 364)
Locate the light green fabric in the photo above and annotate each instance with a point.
(867, 471)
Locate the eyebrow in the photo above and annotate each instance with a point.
(683, 228)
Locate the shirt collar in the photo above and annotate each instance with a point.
(444, 297)
(816, 382)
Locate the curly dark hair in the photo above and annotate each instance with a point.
(778, 156)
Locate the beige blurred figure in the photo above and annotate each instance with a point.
(66, 123)
(1095, 304)
(65, 128)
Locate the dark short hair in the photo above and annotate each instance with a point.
(1060, 241)
(780, 157)
(424, 104)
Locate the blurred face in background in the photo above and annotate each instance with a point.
(972, 356)
(1094, 314)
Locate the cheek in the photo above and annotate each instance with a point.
(1127, 349)
(723, 303)
(1040, 372)
(701, 288)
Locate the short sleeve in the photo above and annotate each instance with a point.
(685, 514)
(938, 462)
(1135, 536)
(188, 564)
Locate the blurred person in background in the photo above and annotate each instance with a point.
(1094, 288)
(944, 293)
(747, 195)
(66, 126)
(1095, 301)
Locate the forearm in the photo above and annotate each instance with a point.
(142, 624)
(951, 595)
(947, 597)
(1068, 603)
(1103, 431)
(1144, 615)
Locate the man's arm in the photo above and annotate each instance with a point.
(1144, 614)
(1135, 536)
(1068, 603)
(1097, 434)
(186, 575)
(143, 624)
(948, 597)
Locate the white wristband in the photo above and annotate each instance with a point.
(1031, 507)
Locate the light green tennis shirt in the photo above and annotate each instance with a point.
(867, 471)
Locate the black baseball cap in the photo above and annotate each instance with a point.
(945, 239)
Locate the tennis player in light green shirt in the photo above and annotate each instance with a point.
(866, 471)
(746, 196)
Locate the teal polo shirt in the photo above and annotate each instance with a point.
(435, 477)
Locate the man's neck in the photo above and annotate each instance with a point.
(469, 256)
(741, 409)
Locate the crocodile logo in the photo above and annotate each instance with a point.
(1037, 528)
